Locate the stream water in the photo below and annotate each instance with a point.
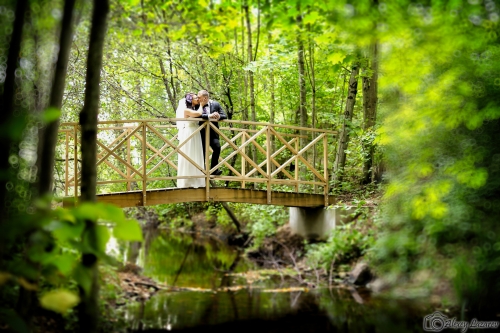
(220, 290)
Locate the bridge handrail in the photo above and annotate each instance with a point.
(243, 122)
(276, 154)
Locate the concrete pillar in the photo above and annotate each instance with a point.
(317, 223)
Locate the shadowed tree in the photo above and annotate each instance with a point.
(302, 87)
(251, 74)
(370, 111)
(7, 140)
(340, 157)
(7, 102)
(48, 135)
(89, 307)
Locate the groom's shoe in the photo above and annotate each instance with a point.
(217, 173)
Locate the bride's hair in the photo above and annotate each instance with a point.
(189, 100)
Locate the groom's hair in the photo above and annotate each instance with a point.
(203, 93)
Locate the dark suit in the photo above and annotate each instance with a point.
(214, 137)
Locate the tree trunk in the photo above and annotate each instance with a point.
(230, 106)
(230, 113)
(204, 72)
(334, 102)
(302, 83)
(48, 136)
(258, 30)
(245, 87)
(7, 100)
(250, 78)
(7, 108)
(302, 89)
(167, 86)
(236, 42)
(370, 111)
(344, 133)
(245, 80)
(175, 88)
(344, 75)
(89, 308)
(170, 92)
(312, 79)
(250, 59)
(272, 114)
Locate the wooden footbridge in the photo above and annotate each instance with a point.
(263, 164)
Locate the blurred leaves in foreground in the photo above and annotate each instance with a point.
(440, 127)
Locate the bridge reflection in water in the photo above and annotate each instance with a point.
(264, 163)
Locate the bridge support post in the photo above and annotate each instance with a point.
(317, 223)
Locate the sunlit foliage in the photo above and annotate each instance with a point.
(440, 82)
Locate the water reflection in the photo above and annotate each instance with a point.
(184, 260)
(193, 261)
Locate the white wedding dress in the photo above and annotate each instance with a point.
(192, 148)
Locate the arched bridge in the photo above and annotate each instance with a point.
(263, 164)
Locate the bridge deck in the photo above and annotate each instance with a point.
(217, 194)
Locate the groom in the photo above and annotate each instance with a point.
(214, 112)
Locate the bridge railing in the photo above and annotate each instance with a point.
(141, 155)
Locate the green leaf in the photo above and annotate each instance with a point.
(65, 215)
(83, 276)
(13, 321)
(128, 230)
(37, 254)
(311, 17)
(95, 240)
(99, 210)
(103, 236)
(111, 213)
(87, 211)
(59, 300)
(227, 48)
(64, 231)
(13, 128)
(50, 114)
(335, 58)
(65, 263)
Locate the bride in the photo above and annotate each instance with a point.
(189, 107)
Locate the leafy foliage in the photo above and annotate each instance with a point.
(261, 221)
(440, 117)
(347, 242)
(54, 251)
